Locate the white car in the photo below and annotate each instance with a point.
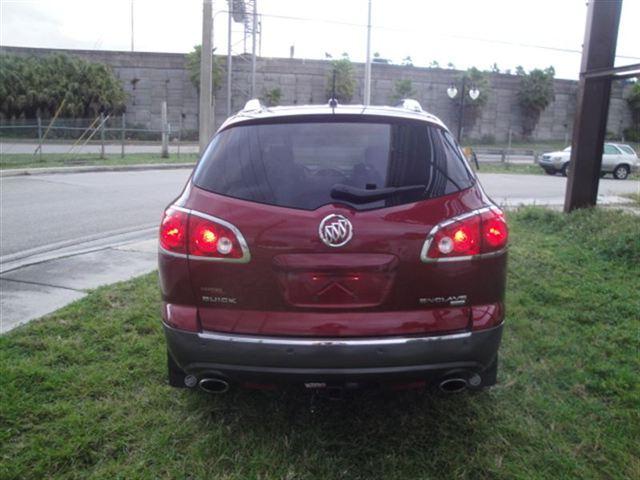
(617, 159)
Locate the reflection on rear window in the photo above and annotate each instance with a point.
(297, 164)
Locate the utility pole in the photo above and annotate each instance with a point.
(206, 64)
(253, 48)
(229, 56)
(367, 65)
(590, 125)
(132, 25)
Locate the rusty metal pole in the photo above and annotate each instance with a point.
(589, 128)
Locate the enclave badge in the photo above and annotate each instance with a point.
(335, 230)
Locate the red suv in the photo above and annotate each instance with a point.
(331, 246)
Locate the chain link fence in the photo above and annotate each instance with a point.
(91, 138)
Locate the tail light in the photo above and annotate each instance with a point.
(199, 236)
(477, 233)
(173, 231)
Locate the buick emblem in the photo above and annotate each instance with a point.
(335, 230)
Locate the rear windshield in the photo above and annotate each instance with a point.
(309, 164)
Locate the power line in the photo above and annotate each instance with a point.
(459, 37)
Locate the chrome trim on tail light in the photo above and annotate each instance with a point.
(246, 255)
(427, 243)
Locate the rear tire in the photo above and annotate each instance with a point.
(565, 170)
(621, 172)
(175, 373)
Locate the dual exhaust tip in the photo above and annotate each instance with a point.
(451, 384)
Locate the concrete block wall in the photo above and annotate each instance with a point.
(150, 78)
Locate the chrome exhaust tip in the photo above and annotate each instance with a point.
(453, 385)
(213, 385)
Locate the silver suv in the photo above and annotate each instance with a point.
(618, 159)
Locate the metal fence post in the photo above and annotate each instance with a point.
(165, 135)
(40, 136)
(102, 156)
(123, 135)
(180, 133)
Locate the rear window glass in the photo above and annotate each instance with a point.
(303, 164)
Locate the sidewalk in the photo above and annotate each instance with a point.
(36, 290)
(13, 172)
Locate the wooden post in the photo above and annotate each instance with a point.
(587, 145)
(102, 122)
(123, 135)
(165, 132)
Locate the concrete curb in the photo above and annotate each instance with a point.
(15, 172)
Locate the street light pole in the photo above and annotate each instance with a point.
(367, 65)
(452, 92)
(461, 109)
(253, 49)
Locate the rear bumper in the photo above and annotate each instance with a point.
(243, 358)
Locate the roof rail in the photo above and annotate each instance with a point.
(410, 104)
(254, 105)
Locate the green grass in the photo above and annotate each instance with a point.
(633, 196)
(539, 146)
(526, 169)
(83, 393)
(20, 160)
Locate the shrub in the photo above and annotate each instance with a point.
(472, 108)
(402, 89)
(272, 97)
(193, 65)
(32, 86)
(345, 83)
(633, 100)
(535, 93)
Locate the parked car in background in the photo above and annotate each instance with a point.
(332, 246)
(617, 159)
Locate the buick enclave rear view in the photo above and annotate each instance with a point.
(329, 246)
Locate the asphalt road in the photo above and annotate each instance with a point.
(43, 212)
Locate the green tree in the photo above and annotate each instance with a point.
(193, 65)
(535, 93)
(633, 100)
(407, 61)
(345, 83)
(272, 97)
(31, 86)
(473, 78)
(402, 89)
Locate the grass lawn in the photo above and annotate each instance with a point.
(539, 146)
(83, 392)
(527, 169)
(21, 160)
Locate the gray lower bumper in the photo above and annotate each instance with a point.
(250, 358)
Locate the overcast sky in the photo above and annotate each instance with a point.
(464, 32)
